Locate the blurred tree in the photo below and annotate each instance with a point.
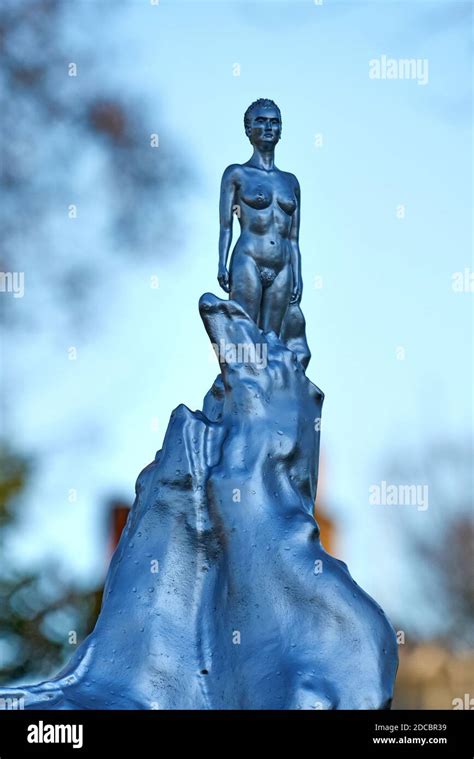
(89, 179)
(441, 546)
(42, 617)
(84, 170)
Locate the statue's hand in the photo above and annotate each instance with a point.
(223, 278)
(297, 292)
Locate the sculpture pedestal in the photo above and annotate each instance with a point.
(220, 595)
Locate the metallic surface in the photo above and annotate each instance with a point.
(220, 595)
(246, 610)
(265, 267)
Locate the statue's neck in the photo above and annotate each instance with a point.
(263, 159)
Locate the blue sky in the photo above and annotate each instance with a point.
(386, 281)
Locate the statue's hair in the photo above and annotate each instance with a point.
(265, 103)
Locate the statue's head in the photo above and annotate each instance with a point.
(262, 121)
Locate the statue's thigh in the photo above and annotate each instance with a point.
(246, 287)
(275, 300)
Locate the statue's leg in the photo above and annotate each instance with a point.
(275, 301)
(245, 284)
(293, 333)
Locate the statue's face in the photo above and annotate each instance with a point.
(265, 127)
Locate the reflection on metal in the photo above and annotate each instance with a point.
(220, 595)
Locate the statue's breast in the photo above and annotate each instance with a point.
(261, 195)
(287, 203)
(257, 195)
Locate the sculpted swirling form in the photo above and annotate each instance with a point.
(247, 610)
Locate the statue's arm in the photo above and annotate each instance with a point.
(226, 204)
(295, 248)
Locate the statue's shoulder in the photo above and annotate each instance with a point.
(232, 172)
(292, 178)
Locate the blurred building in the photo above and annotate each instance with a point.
(432, 677)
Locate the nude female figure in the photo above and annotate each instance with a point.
(265, 267)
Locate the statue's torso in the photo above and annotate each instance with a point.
(266, 202)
